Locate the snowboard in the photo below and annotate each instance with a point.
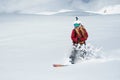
(59, 65)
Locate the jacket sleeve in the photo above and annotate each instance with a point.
(73, 36)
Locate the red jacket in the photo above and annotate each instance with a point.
(79, 38)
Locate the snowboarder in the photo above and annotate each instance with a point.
(79, 35)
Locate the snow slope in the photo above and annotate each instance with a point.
(32, 6)
(46, 12)
(113, 9)
(30, 44)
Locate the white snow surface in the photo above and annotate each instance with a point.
(46, 12)
(31, 44)
(110, 10)
(113, 9)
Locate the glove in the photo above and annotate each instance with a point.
(82, 42)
